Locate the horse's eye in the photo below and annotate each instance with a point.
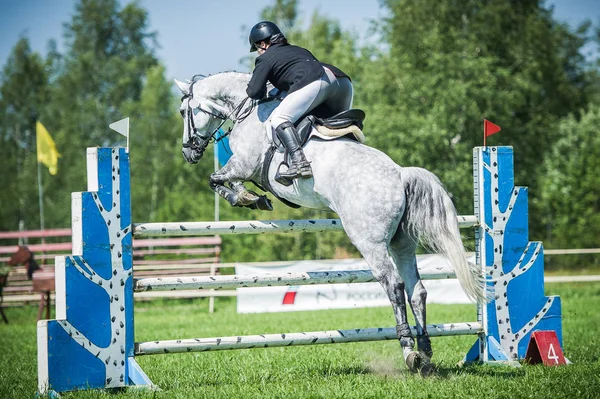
(182, 112)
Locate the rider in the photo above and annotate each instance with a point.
(308, 82)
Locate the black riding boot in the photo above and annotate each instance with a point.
(300, 167)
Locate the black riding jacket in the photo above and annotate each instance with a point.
(288, 68)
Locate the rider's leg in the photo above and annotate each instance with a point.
(294, 106)
(300, 167)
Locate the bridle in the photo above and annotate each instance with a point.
(196, 140)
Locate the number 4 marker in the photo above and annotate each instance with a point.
(544, 347)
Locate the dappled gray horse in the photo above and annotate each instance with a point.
(384, 208)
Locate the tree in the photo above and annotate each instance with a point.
(570, 199)
(23, 94)
(450, 64)
(154, 128)
(108, 53)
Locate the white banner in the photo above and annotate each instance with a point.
(335, 296)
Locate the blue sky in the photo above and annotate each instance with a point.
(206, 36)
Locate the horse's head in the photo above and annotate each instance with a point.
(201, 121)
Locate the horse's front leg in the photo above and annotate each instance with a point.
(225, 192)
(237, 194)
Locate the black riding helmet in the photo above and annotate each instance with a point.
(262, 31)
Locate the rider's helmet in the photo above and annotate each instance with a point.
(262, 31)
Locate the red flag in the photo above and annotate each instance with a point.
(489, 128)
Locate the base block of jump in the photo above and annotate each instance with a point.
(91, 342)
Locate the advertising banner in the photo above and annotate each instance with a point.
(335, 296)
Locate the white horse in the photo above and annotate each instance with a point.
(385, 209)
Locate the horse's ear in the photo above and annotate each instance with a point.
(184, 87)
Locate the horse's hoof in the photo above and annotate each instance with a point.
(424, 344)
(413, 361)
(264, 204)
(247, 197)
(427, 369)
(418, 363)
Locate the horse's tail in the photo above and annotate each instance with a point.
(431, 217)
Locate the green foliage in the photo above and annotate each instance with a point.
(155, 129)
(571, 195)
(76, 95)
(23, 93)
(283, 12)
(452, 64)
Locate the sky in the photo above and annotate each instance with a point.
(208, 36)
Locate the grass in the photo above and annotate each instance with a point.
(357, 370)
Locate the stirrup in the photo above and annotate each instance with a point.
(295, 172)
(286, 178)
(280, 179)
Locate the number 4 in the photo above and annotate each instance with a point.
(552, 354)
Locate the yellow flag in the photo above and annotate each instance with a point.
(46, 149)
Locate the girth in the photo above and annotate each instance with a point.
(265, 185)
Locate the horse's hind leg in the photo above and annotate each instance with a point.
(403, 250)
(386, 273)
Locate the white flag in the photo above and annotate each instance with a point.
(121, 127)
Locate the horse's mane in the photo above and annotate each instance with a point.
(201, 76)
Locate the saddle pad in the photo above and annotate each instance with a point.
(330, 134)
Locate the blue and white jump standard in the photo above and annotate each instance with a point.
(91, 342)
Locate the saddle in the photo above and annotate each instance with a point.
(345, 124)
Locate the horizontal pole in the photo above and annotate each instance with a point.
(64, 232)
(296, 339)
(251, 227)
(171, 283)
(579, 251)
(183, 294)
(64, 247)
(465, 221)
(235, 227)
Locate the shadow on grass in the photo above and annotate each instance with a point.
(344, 370)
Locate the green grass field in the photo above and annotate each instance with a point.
(358, 370)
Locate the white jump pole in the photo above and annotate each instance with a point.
(252, 227)
(270, 280)
(297, 339)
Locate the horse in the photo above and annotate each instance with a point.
(385, 209)
(25, 257)
(22, 256)
(43, 281)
